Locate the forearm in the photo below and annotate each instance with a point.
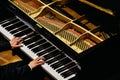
(15, 70)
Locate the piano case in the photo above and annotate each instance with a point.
(81, 37)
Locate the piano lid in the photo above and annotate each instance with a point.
(105, 13)
(112, 5)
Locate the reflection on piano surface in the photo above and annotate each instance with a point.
(74, 30)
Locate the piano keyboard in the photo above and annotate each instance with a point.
(58, 64)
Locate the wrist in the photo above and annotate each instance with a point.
(30, 66)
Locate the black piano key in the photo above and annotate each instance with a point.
(19, 28)
(65, 67)
(14, 31)
(67, 73)
(33, 44)
(75, 69)
(19, 33)
(23, 32)
(50, 48)
(55, 58)
(37, 37)
(10, 22)
(7, 19)
(45, 51)
(61, 62)
(28, 30)
(32, 39)
(59, 56)
(46, 45)
(52, 54)
(14, 26)
(57, 64)
(41, 46)
(28, 35)
(62, 69)
(36, 42)
(32, 36)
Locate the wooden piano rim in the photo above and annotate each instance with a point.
(97, 7)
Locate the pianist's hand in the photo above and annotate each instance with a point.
(36, 62)
(15, 42)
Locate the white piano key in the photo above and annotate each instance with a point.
(28, 52)
(25, 48)
(46, 67)
(6, 33)
(56, 75)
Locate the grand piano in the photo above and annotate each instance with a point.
(78, 38)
